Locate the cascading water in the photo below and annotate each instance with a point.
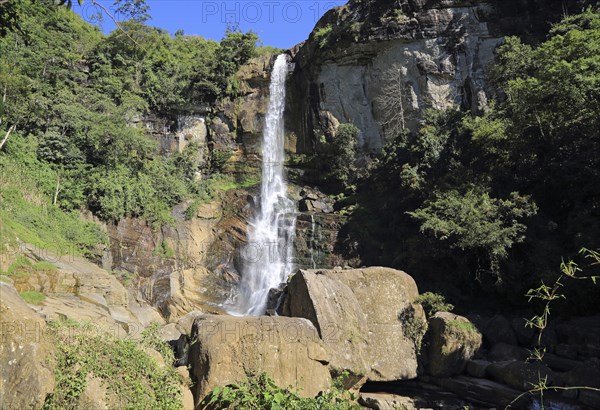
(267, 258)
(315, 238)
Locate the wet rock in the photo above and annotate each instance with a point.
(477, 368)
(316, 243)
(228, 349)
(496, 370)
(482, 391)
(581, 333)
(230, 275)
(585, 374)
(522, 375)
(560, 363)
(590, 398)
(566, 350)
(275, 299)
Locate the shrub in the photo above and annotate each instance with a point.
(433, 303)
(413, 327)
(43, 266)
(260, 392)
(343, 154)
(322, 34)
(20, 267)
(134, 380)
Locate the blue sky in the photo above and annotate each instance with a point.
(279, 23)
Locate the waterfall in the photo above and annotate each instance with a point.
(267, 258)
(315, 239)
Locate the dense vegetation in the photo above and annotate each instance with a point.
(72, 105)
(500, 196)
(132, 377)
(260, 392)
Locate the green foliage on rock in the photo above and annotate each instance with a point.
(235, 49)
(260, 392)
(33, 297)
(75, 100)
(496, 195)
(338, 156)
(132, 377)
(321, 35)
(433, 303)
(473, 220)
(27, 214)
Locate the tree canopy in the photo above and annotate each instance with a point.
(501, 195)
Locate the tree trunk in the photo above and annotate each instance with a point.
(56, 191)
(11, 129)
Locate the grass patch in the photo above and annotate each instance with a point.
(133, 378)
(27, 215)
(462, 326)
(33, 298)
(43, 266)
(21, 267)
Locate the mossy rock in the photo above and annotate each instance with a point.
(452, 341)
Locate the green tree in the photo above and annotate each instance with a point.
(342, 161)
(472, 220)
(235, 49)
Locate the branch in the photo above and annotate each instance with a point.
(95, 3)
(11, 129)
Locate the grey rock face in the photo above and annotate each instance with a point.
(26, 373)
(441, 53)
(356, 312)
(227, 349)
(442, 48)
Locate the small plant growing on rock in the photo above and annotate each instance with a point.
(433, 303)
(33, 298)
(260, 392)
(132, 377)
(413, 327)
(322, 34)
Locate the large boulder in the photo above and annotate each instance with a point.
(452, 341)
(522, 375)
(499, 330)
(26, 373)
(357, 313)
(227, 349)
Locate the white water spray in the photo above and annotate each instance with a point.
(267, 258)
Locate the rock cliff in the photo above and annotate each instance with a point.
(429, 53)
